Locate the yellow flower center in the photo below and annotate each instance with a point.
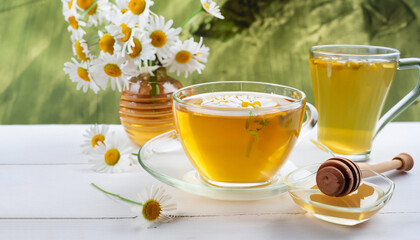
(73, 22)
(84, 75)
(70, 4)
(158, 38)
(79, 51)
(183, 57)
(97, 138)
(136, 48)
(107, 43)
(93, 10)
(124, 10)
(137, 6)
(206, 5)
(112, 156)
(84, 4)
(247, 104)
(126, 31)
(151, 210)
(112, 70)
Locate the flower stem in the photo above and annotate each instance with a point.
(193, 15)
(92, 38)
(116, 195)
(90, 7)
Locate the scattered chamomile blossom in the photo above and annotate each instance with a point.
(188, 56)
(138, 12)
(107, 67)
(163, 36)
(93, 136)
(154, 205)
(211, 8)
(112, 156)
(79, 73)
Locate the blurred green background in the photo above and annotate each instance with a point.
(260, 40)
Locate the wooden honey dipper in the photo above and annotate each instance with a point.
(340, 176)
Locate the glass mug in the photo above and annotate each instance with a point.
(350, 84)
(239, 134)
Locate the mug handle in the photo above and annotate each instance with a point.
(404, 103)
(311, 120)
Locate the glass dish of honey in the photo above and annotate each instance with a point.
(373, 193)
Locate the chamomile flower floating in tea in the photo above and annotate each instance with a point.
(234, 100)
(93, 136)
(188, 56)
(211, 8)
(79, 73)
(154, 205)
(112, 156)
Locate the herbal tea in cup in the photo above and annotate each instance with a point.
(239, 134)
(350, 85)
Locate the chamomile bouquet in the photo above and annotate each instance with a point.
(115, 40)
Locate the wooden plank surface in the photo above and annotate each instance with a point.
(43, 199)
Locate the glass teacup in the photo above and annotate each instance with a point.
(239, 134)
(350, 84)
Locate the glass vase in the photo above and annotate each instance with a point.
(146, 106)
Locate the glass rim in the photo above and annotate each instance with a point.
(292, 105)
(325, 52)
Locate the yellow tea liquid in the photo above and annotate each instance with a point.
(240, 145)
(349, 97)
(364, 197)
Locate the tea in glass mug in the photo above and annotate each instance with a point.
(350, 84)
(239, 134)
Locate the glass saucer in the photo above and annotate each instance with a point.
(164, 158)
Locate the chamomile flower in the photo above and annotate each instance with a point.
(108, 42)
(112, 156)
(75, 25)
(139, 48)
(134, 69)
(68, 7)
(187, 56)
(81, 50)
(162, 34)
(211, 8)
(97, 13)
(121, 31)
(93, 136)
(138, 12)
(79, 73)
(156, 207)
(108, 67)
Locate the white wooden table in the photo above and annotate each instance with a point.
(45, 193)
